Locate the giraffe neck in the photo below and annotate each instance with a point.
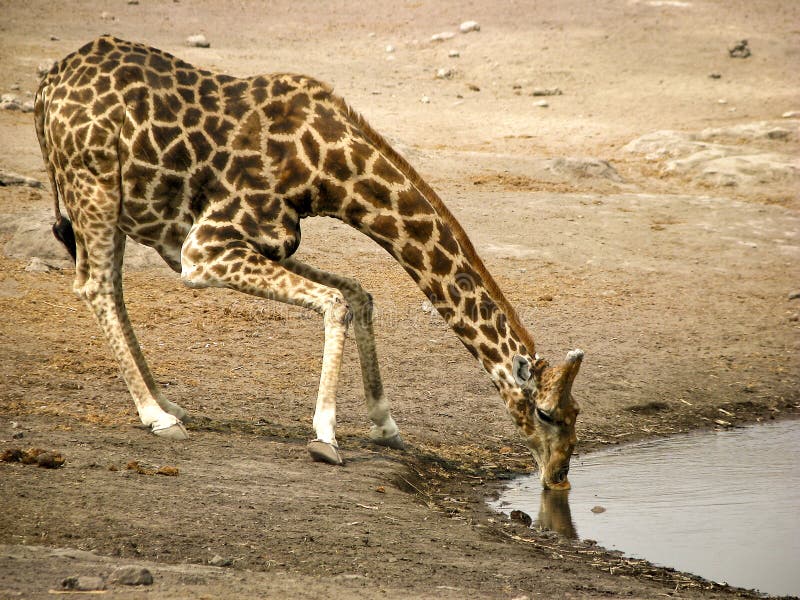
(411, 222)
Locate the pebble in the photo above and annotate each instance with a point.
(444, 74)
(8, 178)
(83, 583)
(468, 26)
(444, 35)
(14, 87)
(522, 517)
(44, 67)
(791, 114)
(107, 16)
(598, 509)
(740, 50)
(219, 561)
(715, 75)
(389, 48)
(17, 435)
(794, 295)
(543, 103)
(131, 575)
(54, 38)
(134, 2)
(425, 100)
(546, 92)
(454, 54)
(198, 41)
(37, 265)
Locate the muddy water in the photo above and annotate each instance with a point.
(722, 505)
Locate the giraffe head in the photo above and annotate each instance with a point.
(546, 414)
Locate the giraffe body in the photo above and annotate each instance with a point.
(217, 172)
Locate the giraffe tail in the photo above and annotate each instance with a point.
(62, 228)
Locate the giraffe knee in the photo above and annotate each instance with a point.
(338, 310)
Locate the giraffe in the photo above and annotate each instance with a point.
(216, 172)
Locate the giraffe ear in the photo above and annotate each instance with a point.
(521, 370)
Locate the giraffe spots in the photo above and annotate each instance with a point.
(186, 76)
(136, 178)
(418, 229)
(264, 207)
(328, 124)
(245, 171)
(465, 331)
(447, 241)
(386, 171)
(159, 63)
(81, 97)
(102, 84)
(441, 264)
(434, 292)
(354, 213)
(168, 196)
(208, 95)
(204, 187)
(165, 107)
(220, 160)
(142, 148)
(218, 129)
(359, 155)
(249, 135)
(292, 174)
(287, 116)
(102, 105)
(224, 212)
(177, 158)
(191, 117)
(501, 322)
(385, 226)
(234, 91)
(280, 152)
(128, 74)
(490, 353)
(412, 257)
(129, 59)
(163, 135)
(373, 192)
(281, 87)
(454, 293)
(330, 198)
(489, 332)
(470, 308)
(200, 145)
(138, 108)
(310, 147)
(336, 164)
(411, 203)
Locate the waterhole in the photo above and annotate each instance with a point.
(723, 505)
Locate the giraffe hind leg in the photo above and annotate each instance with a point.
(384, 430)
(99, 250)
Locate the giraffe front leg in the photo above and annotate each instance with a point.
(215, 262)
(384, 430)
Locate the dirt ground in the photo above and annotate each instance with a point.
(673, 276)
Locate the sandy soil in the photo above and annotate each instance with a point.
(674, 277)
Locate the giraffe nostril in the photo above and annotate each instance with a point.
(561, 474)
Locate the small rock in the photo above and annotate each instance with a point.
(794, 295)
(543, 103)
(427, 307)
(44, 67)
(791, 114)
(740, 50)
(168, 471)
(598, 509)
(468, 26)
(107, 16)
(546, 92)
(425, 100)
(444, 74)
(218, 561)
(454, 54)
(54, 38)
(14, 87)
(473, 88)
(714, 76)
(380, 489)
(83, 584)
(17, 435)
(389, 48)
(131, 575)
(49, 460)
(37, 265)
(444, 35)
(27, 106)
(198, 41)
(522, 517)
(133, 2)
(722, 101)
(371, 34)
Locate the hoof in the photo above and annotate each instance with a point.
(324, 452)
(176, 431)
(395, 442)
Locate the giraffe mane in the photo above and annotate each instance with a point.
(444, 213)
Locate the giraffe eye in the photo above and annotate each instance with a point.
(544, 416)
